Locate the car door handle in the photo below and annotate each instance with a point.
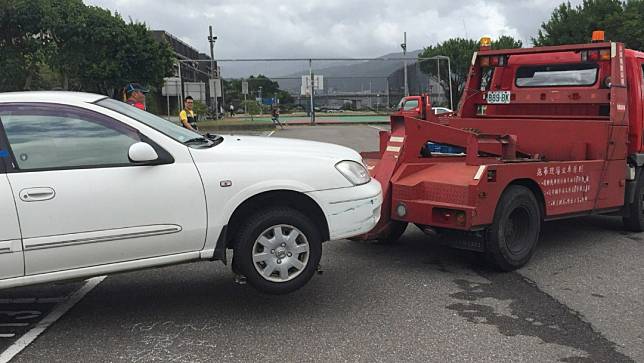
(37, 194)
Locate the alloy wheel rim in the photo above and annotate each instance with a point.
(281, 253)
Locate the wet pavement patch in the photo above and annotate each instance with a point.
(532, 313)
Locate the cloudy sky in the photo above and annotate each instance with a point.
(332, 28)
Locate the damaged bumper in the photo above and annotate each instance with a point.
(351, 211)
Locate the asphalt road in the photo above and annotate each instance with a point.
(580, 299)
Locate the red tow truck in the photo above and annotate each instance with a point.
(547, 133)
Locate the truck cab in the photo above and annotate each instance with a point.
(417, 107)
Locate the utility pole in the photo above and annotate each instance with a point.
(312, 91)
(261, 101)
(404, 48)
(213, 71)
(387, 89)
(438, 72)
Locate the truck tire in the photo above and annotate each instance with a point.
(634, 221)
(396, 230)
(278, 250)
(512, 238)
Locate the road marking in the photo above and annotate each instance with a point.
(377, 128)
(42, 300)
(29, 300)
(60, 310)
(7, 336)
(270, 133)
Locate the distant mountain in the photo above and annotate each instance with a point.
(294, 69)
(353, 76)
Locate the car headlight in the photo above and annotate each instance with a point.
(355, 172)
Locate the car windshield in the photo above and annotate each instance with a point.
(164, 126)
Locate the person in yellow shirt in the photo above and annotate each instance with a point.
(187, 116)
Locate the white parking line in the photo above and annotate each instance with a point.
(270, 133)
(42, 300)
(60, 310)
(378, 128)
(7, 335)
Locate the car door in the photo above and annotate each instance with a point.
(11, 257)
(80, 200)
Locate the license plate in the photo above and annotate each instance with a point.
(498, 97)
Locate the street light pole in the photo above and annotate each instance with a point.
(261, 100)
(404, 48)
(213, 71)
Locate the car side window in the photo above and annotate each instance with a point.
(59, 136)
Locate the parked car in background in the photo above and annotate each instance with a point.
(91, 186)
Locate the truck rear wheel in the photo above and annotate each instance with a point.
(635, 220)
(512, 238)
(278, 250)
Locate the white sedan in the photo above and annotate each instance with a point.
(91, 186)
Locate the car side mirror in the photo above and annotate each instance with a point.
(142, 152)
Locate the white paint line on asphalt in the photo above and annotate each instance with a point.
(270, 133)
(60, 310)
(7, 335)
(377, 128)
(28, 300)
(44, 300)
(49, 300)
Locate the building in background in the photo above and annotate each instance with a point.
(195, 73)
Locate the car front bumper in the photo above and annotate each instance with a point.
(351, 211)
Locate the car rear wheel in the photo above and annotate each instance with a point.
(512, 238)
(278, 250)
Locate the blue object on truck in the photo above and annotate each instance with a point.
(444, 149)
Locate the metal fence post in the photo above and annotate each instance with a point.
(312, 91)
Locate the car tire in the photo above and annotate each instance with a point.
(396, 230)
(634, 221)
(513, 236)
(278, 250)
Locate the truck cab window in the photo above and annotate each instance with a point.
(580, 74)
(410, 105)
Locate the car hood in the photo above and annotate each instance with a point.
(275, 162)
(262, 147)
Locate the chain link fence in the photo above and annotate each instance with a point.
(317, 87)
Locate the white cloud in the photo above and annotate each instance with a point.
(332, 28)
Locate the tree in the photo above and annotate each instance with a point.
(573, 25)
(252, 107)
(22, 43)
(91, 49)
(270, 89)
(630, 27)
(460, 52)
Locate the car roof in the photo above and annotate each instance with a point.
(49, 97)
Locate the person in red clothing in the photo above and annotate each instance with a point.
(135, 94)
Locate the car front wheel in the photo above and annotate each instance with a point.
(278, 250)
